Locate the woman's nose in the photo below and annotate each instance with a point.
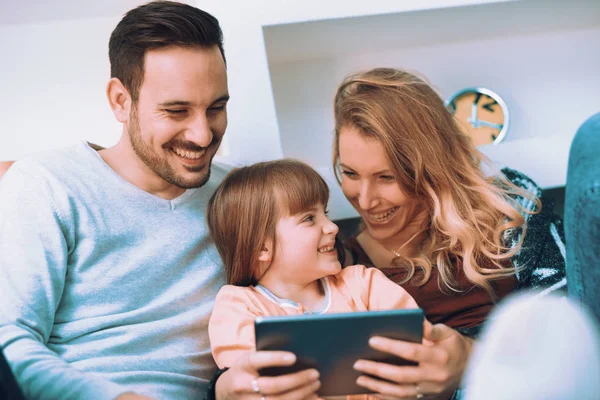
(366, 197)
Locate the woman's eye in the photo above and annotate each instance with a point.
(387, 177)
(349, 174)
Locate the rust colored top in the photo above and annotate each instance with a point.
(465, 309)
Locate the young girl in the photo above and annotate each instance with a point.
(271, 229)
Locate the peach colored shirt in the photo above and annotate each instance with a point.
(355, 288)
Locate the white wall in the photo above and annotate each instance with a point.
(54, 72)
(53, 78)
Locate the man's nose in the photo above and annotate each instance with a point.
(199, 132)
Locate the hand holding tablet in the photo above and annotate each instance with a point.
(332, 343)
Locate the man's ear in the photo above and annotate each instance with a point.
(119, 99)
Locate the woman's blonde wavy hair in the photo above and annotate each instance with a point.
(470, 215)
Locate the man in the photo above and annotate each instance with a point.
(107, 273)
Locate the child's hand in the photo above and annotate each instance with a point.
(242, 380)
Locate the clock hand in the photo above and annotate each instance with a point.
(473, 118)
(479, 123)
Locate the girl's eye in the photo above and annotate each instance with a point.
(387, 177)
(308, 218)
(349, 174)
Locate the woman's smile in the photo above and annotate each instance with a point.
(380, 217)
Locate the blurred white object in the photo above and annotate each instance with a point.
(536, 347)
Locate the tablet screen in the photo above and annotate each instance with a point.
(332, 343)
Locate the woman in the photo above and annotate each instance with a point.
(432, 221)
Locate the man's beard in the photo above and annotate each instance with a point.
(160, 165)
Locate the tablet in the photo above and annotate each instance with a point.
(332, 343)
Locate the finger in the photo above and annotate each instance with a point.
(426, 334)
(393, 373)
(409, 351)
(402, 374)
(299, 393)
(262, 359)
(275, 385)
(437, 332)
(427, 328)
(387, 389)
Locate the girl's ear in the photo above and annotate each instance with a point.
(266, 253)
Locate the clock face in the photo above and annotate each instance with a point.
(481, 114)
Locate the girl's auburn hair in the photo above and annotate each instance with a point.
(470, 215)
(244, 210)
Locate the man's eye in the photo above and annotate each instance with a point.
(176, 112)
(217, 108)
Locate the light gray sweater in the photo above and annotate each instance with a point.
(104, 288)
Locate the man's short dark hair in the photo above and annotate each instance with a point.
(158, 24)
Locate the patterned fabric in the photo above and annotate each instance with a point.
(542, 257)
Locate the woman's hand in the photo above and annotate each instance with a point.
(242, 380)
(442, 360)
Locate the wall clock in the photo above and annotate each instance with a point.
(481, 113)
